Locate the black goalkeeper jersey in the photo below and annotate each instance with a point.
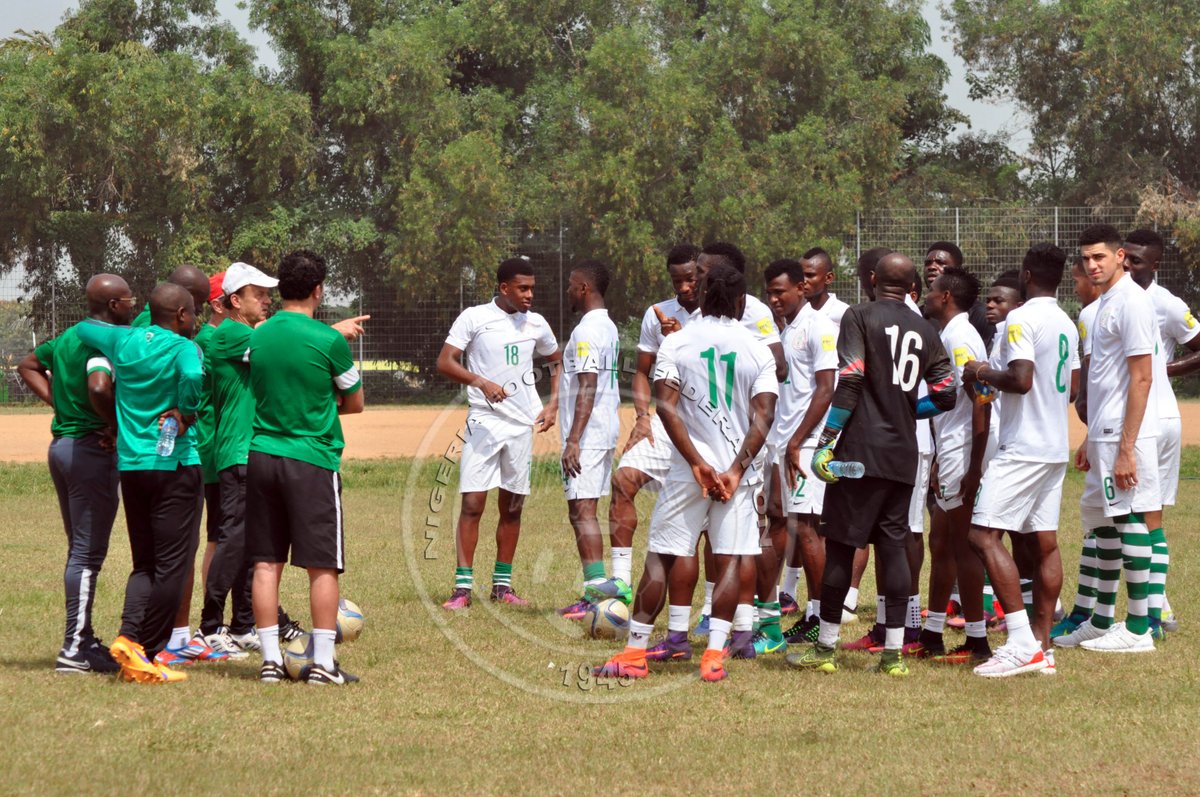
(884, 351)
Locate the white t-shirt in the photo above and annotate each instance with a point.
(995, 361)
(809, 346)
(1175, 328)
(501, 346)
(594, 348)
(834, 308)
(719, 367)
(757, 318)
(651, 338)
(1034, 425)
(1125, 327)
(963, 344)
(924, 431)
(1086, 324)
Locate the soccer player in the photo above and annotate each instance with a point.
(191, 279)
(818, 276)
(1121, 443)
(646, 457)
(1022, 489)
(961, 439)
(498, 341)
(794, 499)
(715, 387)
(942, 254)
(589, 402)
(1176, 327)
(76, 381)
(303, 377)
(884, 350)
(158, 375)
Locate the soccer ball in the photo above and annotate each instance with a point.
(608, 619)
(349, 621)
(298, 655)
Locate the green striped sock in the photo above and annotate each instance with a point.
(1027, 595)
(1108, 553)
(593, 573)
(1089, 577)
(502, 575)
(464, 578)
(768, 620)
(1135, 554)
(1160, 559)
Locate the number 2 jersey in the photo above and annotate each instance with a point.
(884, 351)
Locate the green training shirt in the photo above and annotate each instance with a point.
(154, 370)
(298, 367)
(205, 417)
(143, 318)
(232, 398)
(70, 361)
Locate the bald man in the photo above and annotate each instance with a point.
(158, 373)
(76, 381)
(192, 280)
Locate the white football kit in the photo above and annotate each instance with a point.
(1176, 327)
(594, 348)
(834, 308)
(916, 505)
(952, 430)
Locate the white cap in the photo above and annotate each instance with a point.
(239, 275)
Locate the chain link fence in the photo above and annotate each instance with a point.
(407, 327)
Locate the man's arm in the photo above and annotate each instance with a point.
(190, 380)
(762, 415)
(1189, 363)
(584, 402)
(449, 365)
(666, 396)
(102, 397)
(352, 403)
(641, 401)
(1141, 376)
(1016, 378)
(1081, 406)
(36, 377)
(781, 366)
(940, 381)
(980, 419)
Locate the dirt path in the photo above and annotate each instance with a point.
(403, 432)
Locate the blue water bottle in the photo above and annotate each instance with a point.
(166, 437)
(847, 470)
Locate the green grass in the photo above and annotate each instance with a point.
(476, 703)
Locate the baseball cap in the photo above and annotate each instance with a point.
(239, 275)
(214, 286)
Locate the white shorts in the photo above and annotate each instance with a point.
(916, 507)
(682, 512)
(1091, 502)
(496, 453)
(1020, 496)
(807, 495)
(595, 473)
(1170, 442)
(952, 469)
(1145, 496)
(652, 459)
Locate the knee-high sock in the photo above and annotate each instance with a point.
(1108, 552)
(1160, 559)
(1089, 576)
(1135, 554)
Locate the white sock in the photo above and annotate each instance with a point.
(322, 639)
(622, 564)
(816, 608)
(709, 586)
(179, 637)
(935, 622)
(808, 610)
(829, 633)
(718, 633)
(955, 597)
(743, 618)
(1058, 605)
(679, 618)
(852, 599)
(977, 629)
(268, 637)
(639, 633)
(913, 620)
(1020, 633)
(791, 579)
(893, 638)
(880, 610)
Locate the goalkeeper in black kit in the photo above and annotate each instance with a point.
(884, 349)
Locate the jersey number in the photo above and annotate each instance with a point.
(1064, 351)
(906, 365)
(710, 355)
(512, 355)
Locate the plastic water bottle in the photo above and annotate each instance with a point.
(847, 470)
(166, 437)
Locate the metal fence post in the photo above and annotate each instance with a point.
(560, 278)
(957, 233)
(1056, 239)
(858, 252)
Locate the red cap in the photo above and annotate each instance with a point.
(214, 286)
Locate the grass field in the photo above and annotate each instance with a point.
(490, 701)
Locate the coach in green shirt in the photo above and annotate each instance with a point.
(303, 377)
(158, 372)
(76, 380)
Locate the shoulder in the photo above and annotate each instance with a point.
(536, 320)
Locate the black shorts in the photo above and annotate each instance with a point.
(296, 506)
(866, 511)
(212, 511)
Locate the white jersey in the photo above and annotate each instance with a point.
(1034, 426)
(995, 361)
(1176, 327)
(1125, 327)
(651, 338)
(834, 308)
(758, 320)
(1086, 325)
(500, 346)
(809, 346)
(719, 367)
(594, 348)
(924, 431)
(963, 344)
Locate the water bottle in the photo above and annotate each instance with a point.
(847, 470)
(984, 394)
(166, 437)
